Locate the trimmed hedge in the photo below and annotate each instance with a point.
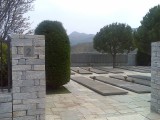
(57, 53)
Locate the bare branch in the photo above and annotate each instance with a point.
(11, 16)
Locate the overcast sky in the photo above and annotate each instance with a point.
(88, 16)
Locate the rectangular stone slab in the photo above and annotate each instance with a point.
(110, 70)
(144, 80)
(140, 70)
(124, 84)
(80, 71)
(143, 68)
(131, 68)
(120, 77)
(130, 79)
(98, 87)
(94, 70)
(140, 81)
(141, 77)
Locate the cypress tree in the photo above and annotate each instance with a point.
(57, 53)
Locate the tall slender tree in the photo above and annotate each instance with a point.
(57, 53)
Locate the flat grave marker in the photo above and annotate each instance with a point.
(80, 71)
(99, 87)
(110, 70)
(123, 84)
(94, 70)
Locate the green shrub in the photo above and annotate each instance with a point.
(57, 53)
(143, 59)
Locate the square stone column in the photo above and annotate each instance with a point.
(28, 77)
(155, 77)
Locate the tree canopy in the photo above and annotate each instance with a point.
(12, 18)
(149, 31)
(57, 53)
(114, 38)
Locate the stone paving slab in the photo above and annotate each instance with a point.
(80, 71)
(130, 79)
(124, 84)
(98, 87)
(94, 70)
(110, 70)
(128, 117)
(88, 105)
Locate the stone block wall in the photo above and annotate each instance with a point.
(28, 77)
(5, 106)
(97, 59)
(155, 77)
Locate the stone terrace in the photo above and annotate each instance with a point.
(84, 104)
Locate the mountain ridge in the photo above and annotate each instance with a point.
(86, 47)
(76, 38)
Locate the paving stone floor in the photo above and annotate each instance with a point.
(84, 104)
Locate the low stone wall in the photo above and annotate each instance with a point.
(97, 59)
(155, 77)
(5, 106)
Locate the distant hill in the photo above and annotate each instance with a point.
(76, 37)
(83, 48)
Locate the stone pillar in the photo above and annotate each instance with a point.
(28, 77)
(155, 77)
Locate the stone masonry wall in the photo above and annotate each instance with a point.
(28, 77)
(155, 77)
(5, 106)
(97, 59)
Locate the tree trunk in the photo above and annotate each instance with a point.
(114, 61)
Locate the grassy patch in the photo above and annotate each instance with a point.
(60, 90)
